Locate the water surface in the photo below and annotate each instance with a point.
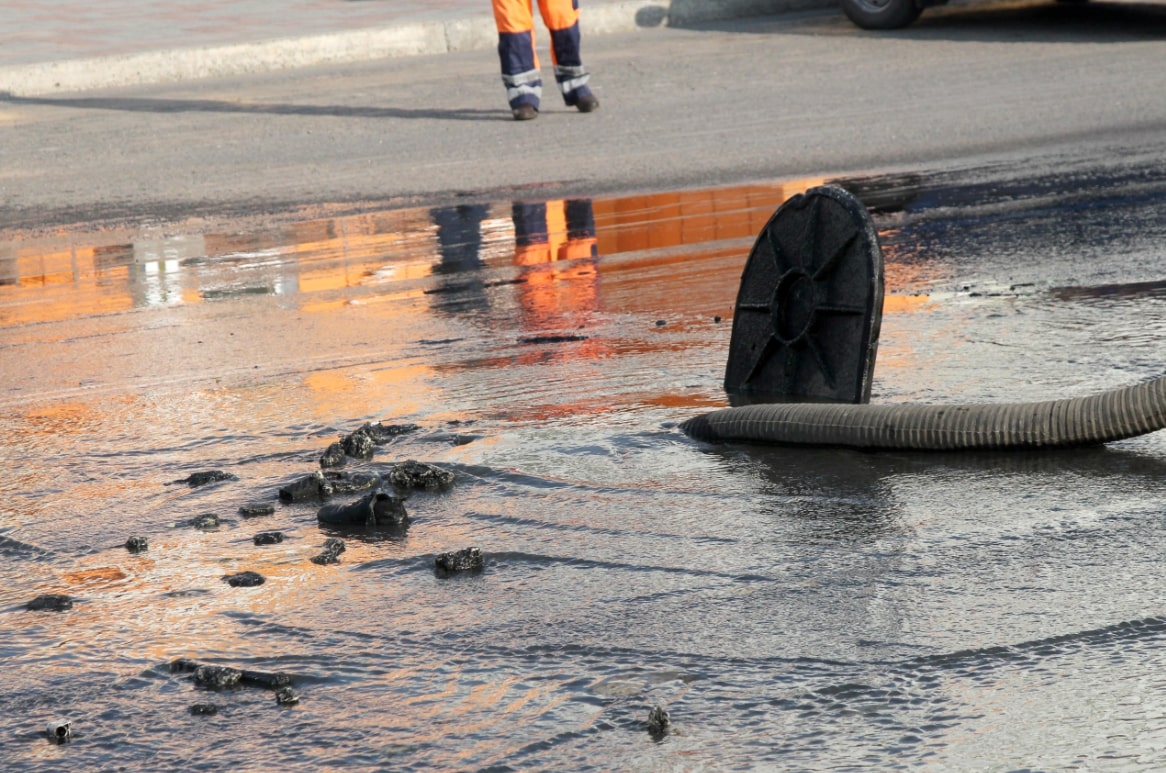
(791, 608)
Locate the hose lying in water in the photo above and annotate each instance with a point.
(1079, 421)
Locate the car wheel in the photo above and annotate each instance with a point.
(881, 14)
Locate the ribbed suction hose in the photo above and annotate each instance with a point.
(1113, 415)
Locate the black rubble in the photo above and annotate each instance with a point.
(244, 579)
(351, 482)
(217, 677)
(412, 474)
(256, 509)
(465, 560)
(379, 507)
(205, 521)
(314, 486)
(331, 552)
(202, 478)
(53, 602)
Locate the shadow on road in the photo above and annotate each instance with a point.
(152, 105)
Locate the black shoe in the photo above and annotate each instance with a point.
(525, 112)
(587, 103)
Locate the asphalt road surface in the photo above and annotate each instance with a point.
(782, 96)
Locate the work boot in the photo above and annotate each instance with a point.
(525, 112)
(582, 99)
(586, 103)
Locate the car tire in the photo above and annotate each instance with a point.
(881, 14)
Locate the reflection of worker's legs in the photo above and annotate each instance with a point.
(459, 235)
(531, 240)
(581, 241)
(520, 70)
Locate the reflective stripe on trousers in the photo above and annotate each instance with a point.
(516, 47)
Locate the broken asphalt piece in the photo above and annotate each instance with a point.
(205, 521)
(465, 560)
(383, 433)
(379, 507)
(361, 444)
(268, 538)
(219, 677)
(351, 482)
(333, 456)
(137, 544)
(53, 602)
(286, 696)
(256, 509)
(658, 722)
(314, 486)
(412, 474)
(331, 552)
(202, 478)
(358, 445)
(244, 579)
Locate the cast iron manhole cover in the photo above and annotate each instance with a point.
(806, 324)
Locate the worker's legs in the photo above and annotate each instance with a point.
(562, 19)
(520, 72)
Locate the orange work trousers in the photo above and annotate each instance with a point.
(516, 49)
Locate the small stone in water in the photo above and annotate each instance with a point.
(358, 445)
(465, 560)
(210, 476)
(412, 474)
(334, 456)
(314, 486)
(205, 521)
(658, 721)
(332, 549)
(254, 509)
(244, 579)
(217, 677)
(54, 602)
(286, 696)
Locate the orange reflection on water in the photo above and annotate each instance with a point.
(142, 269)
(905, 284)
(654, 221)
(393, 390)
(74, 280)
(347, 251)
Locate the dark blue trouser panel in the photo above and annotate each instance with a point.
(516, 50)
(520, 75)
(565, 44)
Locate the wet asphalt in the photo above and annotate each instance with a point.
(728, 102)
(230, 274)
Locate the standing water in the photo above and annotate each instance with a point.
(788, 608)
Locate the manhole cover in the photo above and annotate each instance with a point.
(806, 324)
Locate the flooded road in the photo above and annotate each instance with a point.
(790, 608)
